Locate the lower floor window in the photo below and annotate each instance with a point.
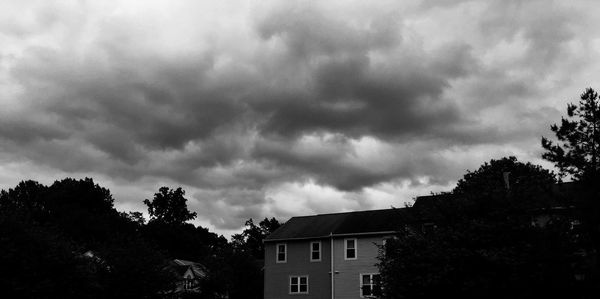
(370, 285)
(298, 284)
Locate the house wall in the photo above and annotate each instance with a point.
(347, 281)
(277, 275)
(347, 277)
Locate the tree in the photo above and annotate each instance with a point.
(39, 262)
(484, 245)
(515, 184)
(169, 206)
(578, 154)
(251, 239)
(578, 151)
(44, 232)
(500, 176)
(247, 280)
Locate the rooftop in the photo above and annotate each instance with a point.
(325, 225)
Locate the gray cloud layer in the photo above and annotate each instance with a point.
(239, 105)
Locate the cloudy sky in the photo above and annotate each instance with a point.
(281, 108)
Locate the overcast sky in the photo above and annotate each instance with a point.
(281, 108)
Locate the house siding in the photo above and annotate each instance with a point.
(277, 275)
(347, 277)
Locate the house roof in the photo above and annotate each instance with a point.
(350, 223)
(181, 266)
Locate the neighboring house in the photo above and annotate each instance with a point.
(301, 255)
(189, 276)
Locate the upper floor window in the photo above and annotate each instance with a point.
(350, 249)
(281, 253)
(299, 284)
(315, 251)
(370, 285)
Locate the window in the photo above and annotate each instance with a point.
(350, 249)
(370, 285)
(299, 284)
(188, 284)
(281, 253)
(315, 251)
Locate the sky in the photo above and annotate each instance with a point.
(283, 108)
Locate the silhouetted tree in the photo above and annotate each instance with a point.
(78, 216)
(251, 239)
(246, 261)
(39, 262)
(169, 206)
(498, 177)
(578, 151)
(484, 245)
(578, 154)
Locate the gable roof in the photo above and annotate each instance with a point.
(182, 266)
(350, 223)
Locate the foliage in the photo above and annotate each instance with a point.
(578, 151)
(479, 259)
(38, 262)
(247, 279)
(497, 177)
(67, 240)
(578, 154)
(169, 206)
(502, 184)
(67, 219)
(484, 245)
(251, 239)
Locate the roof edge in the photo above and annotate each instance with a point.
(349, 212)
(331, 235)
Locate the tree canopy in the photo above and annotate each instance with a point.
(577, 152)
(498, 177)
(67, 240)
(484, 245)
(46, 231)
(169, 206)
(251, 239)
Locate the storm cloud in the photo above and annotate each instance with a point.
(271, 108)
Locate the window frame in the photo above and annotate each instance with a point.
(372, 283)
(320, 251)
(299, 278)
(284, 253)
(346, 249)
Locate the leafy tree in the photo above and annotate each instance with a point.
(169, 206)
(484, 245)
(65, 220)
(578, 151)
(500, 176)
(135, 217)
(246, 260)
(515, 184)
(578, 154)
(251, 239)
(480, 259)
(40, 262)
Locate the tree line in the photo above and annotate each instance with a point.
(67, 240)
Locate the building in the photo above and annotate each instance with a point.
(301, 255)
(189, 276)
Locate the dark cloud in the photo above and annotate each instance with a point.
(348, 98)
